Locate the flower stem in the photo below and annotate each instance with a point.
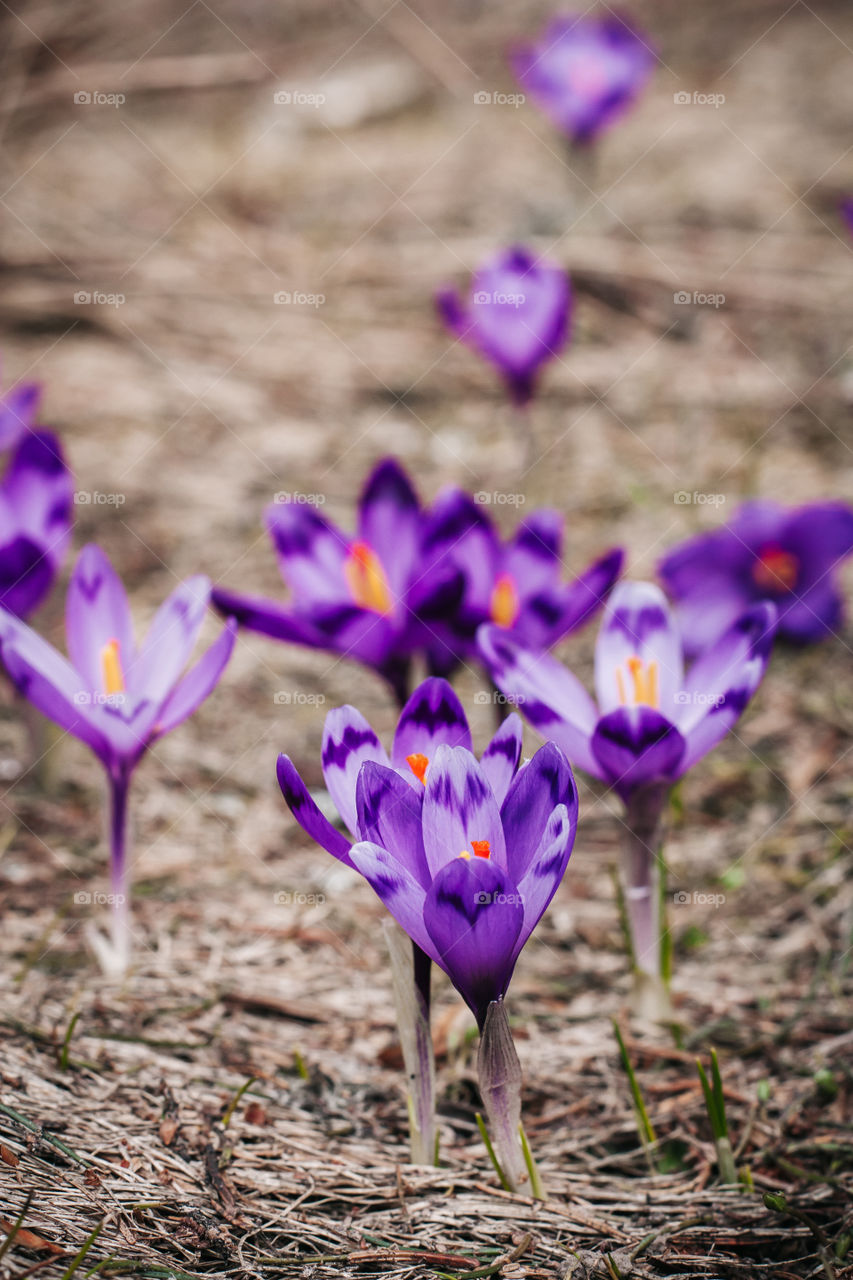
(411, 971)
(499, 1072)
(641, 880)
(118, 788)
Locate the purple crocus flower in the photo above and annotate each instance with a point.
(466, 854)
(432, 720)
(36, 497)
(116, 697)
(371, 596)
(767, 552)
(584, 72)
(517, 583)
(651, 722)
(517, 317)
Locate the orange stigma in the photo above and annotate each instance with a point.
(111, 669)
(644, 679)
(366, 579)
(776, 570)
(482, 849)
(503, 606)
(418, 765)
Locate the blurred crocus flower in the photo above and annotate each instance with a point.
(789, 555)
(17, 413)
(36, 503)
(518, 316)
(116, 697)
(370, 596)
(584, 72)
(651, 723)
(516, 584)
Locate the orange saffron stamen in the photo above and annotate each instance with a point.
(503, 606)
(776, 570)
(366, 579)
(111, 668)
(644, 676)
(418, 765)
(481, 848)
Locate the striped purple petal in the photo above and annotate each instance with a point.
(459, 809)
(348, 740)
(546, 869)
(635, 746)
(398, 889)
(637, 624)
(501, 757)
(96, 613)
(474, 916)
(307, 814)
(390, 814)
(433, 715)
(543, 784)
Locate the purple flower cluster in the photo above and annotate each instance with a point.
(415, 581)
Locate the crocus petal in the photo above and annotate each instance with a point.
(48, 680)
(389, 517)
(311, 552)
(397, 888)
(390, 815)
(459, 807)
(307, 814)
(17, 413)
(474, 915)
(453, 312)
(813, 615)
(546, 869)
(26, 575)
(501, 757)
(97, 612)
(552, 699)
(348, 740)
(39, 490)
(637, 745)
(433, 715)
(637, 623)
(721, 682)
(458, 532)
(266, 617)
(533, 557)
(544, 783)
(169, 641)
(560, 609)
(198, 683)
